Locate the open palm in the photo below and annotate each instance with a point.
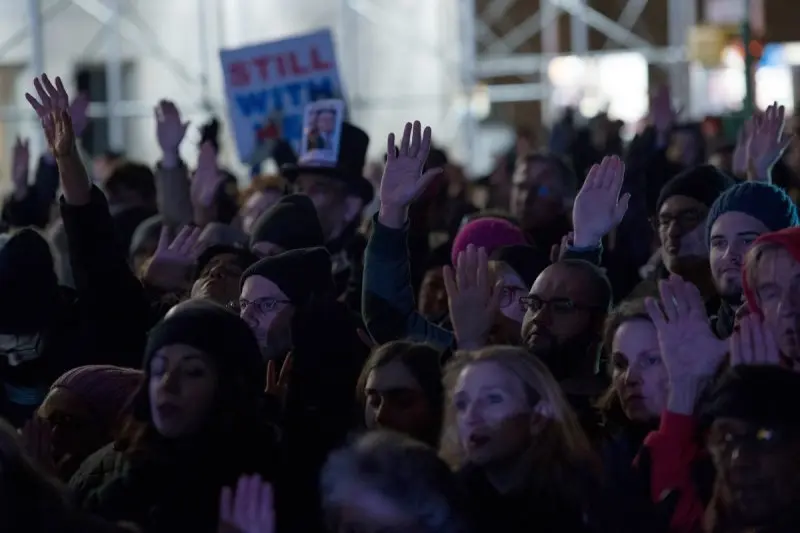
(598, 206)
(689, 348)
(52, 108)
(403, 179)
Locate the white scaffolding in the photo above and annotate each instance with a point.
(501, 58)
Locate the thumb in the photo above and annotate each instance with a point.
(426, 180)
(622, 207)
(494, 303)
(270, 376)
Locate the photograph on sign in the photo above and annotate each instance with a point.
(322, 131)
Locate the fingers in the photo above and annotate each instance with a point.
(286, 370)
(181, 238)
(482, 270)
(406, 140)
(655, 313)
(450, 285)
(266, 510)
(555, 251)
(40, 110)
(240, 499)
(163, 239)
(44, 98)
(426, 179)
(391, 148)
(416, 139)
(61, 93)
(668, 300)
(425, 146)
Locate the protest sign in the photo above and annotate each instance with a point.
(269, 85)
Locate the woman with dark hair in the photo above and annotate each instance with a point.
(195, 428)
(385, 482)
(400, 388)
(632, 405)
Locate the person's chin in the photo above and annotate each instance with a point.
(539, 343)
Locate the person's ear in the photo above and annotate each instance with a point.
(541, 416)
(353, 207)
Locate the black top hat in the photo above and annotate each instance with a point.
(349, 166)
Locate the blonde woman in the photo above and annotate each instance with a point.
(519, 450)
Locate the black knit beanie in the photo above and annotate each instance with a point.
(301, 274)
(526, 261)
(215, 331)
(765, 395)
(704, 183)
(291, 223)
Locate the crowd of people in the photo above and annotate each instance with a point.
(597, 337)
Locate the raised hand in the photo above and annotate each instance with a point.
(207, 178)
(753, 344)
(474, 297)
(278, 382)
(248, 509)
(52, 108)
(403, 180)
(598, 206)
(767, 142)
(37, 439)
(689, 349)
(20, 165)
(173, 260)
(170, 130)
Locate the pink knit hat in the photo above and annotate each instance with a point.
(488, 233)
(105, 389)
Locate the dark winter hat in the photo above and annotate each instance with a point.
(28, 284)
(704, 183)
(526, 261)
(291, 223)
(765, 395)
(765, 202)
(243, 258)
(212, 329)
(301, 274)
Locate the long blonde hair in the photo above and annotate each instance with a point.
(562, 447)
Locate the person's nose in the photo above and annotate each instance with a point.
(674, 230)
(170, 382)
(248, 314)
(632, 376)
(382, 415)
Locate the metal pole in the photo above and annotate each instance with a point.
(202, 44)
(116, 126)
(550, 48)
(468, 12)
(749, 97)
(579, 33)
(37, 60)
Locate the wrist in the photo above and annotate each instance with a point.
(393, 216)
(583, 240)
(170, 159)
(683, 395)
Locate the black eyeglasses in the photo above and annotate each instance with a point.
(263, 305)
(557, 305)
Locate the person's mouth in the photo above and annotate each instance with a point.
(478, 440)
(168, 410)
(672, 248)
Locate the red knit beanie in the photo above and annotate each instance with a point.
(105, 389)
(789, 239)
(488, 233)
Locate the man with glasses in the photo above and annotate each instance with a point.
(275, 287)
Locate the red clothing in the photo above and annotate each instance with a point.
(673, 451)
